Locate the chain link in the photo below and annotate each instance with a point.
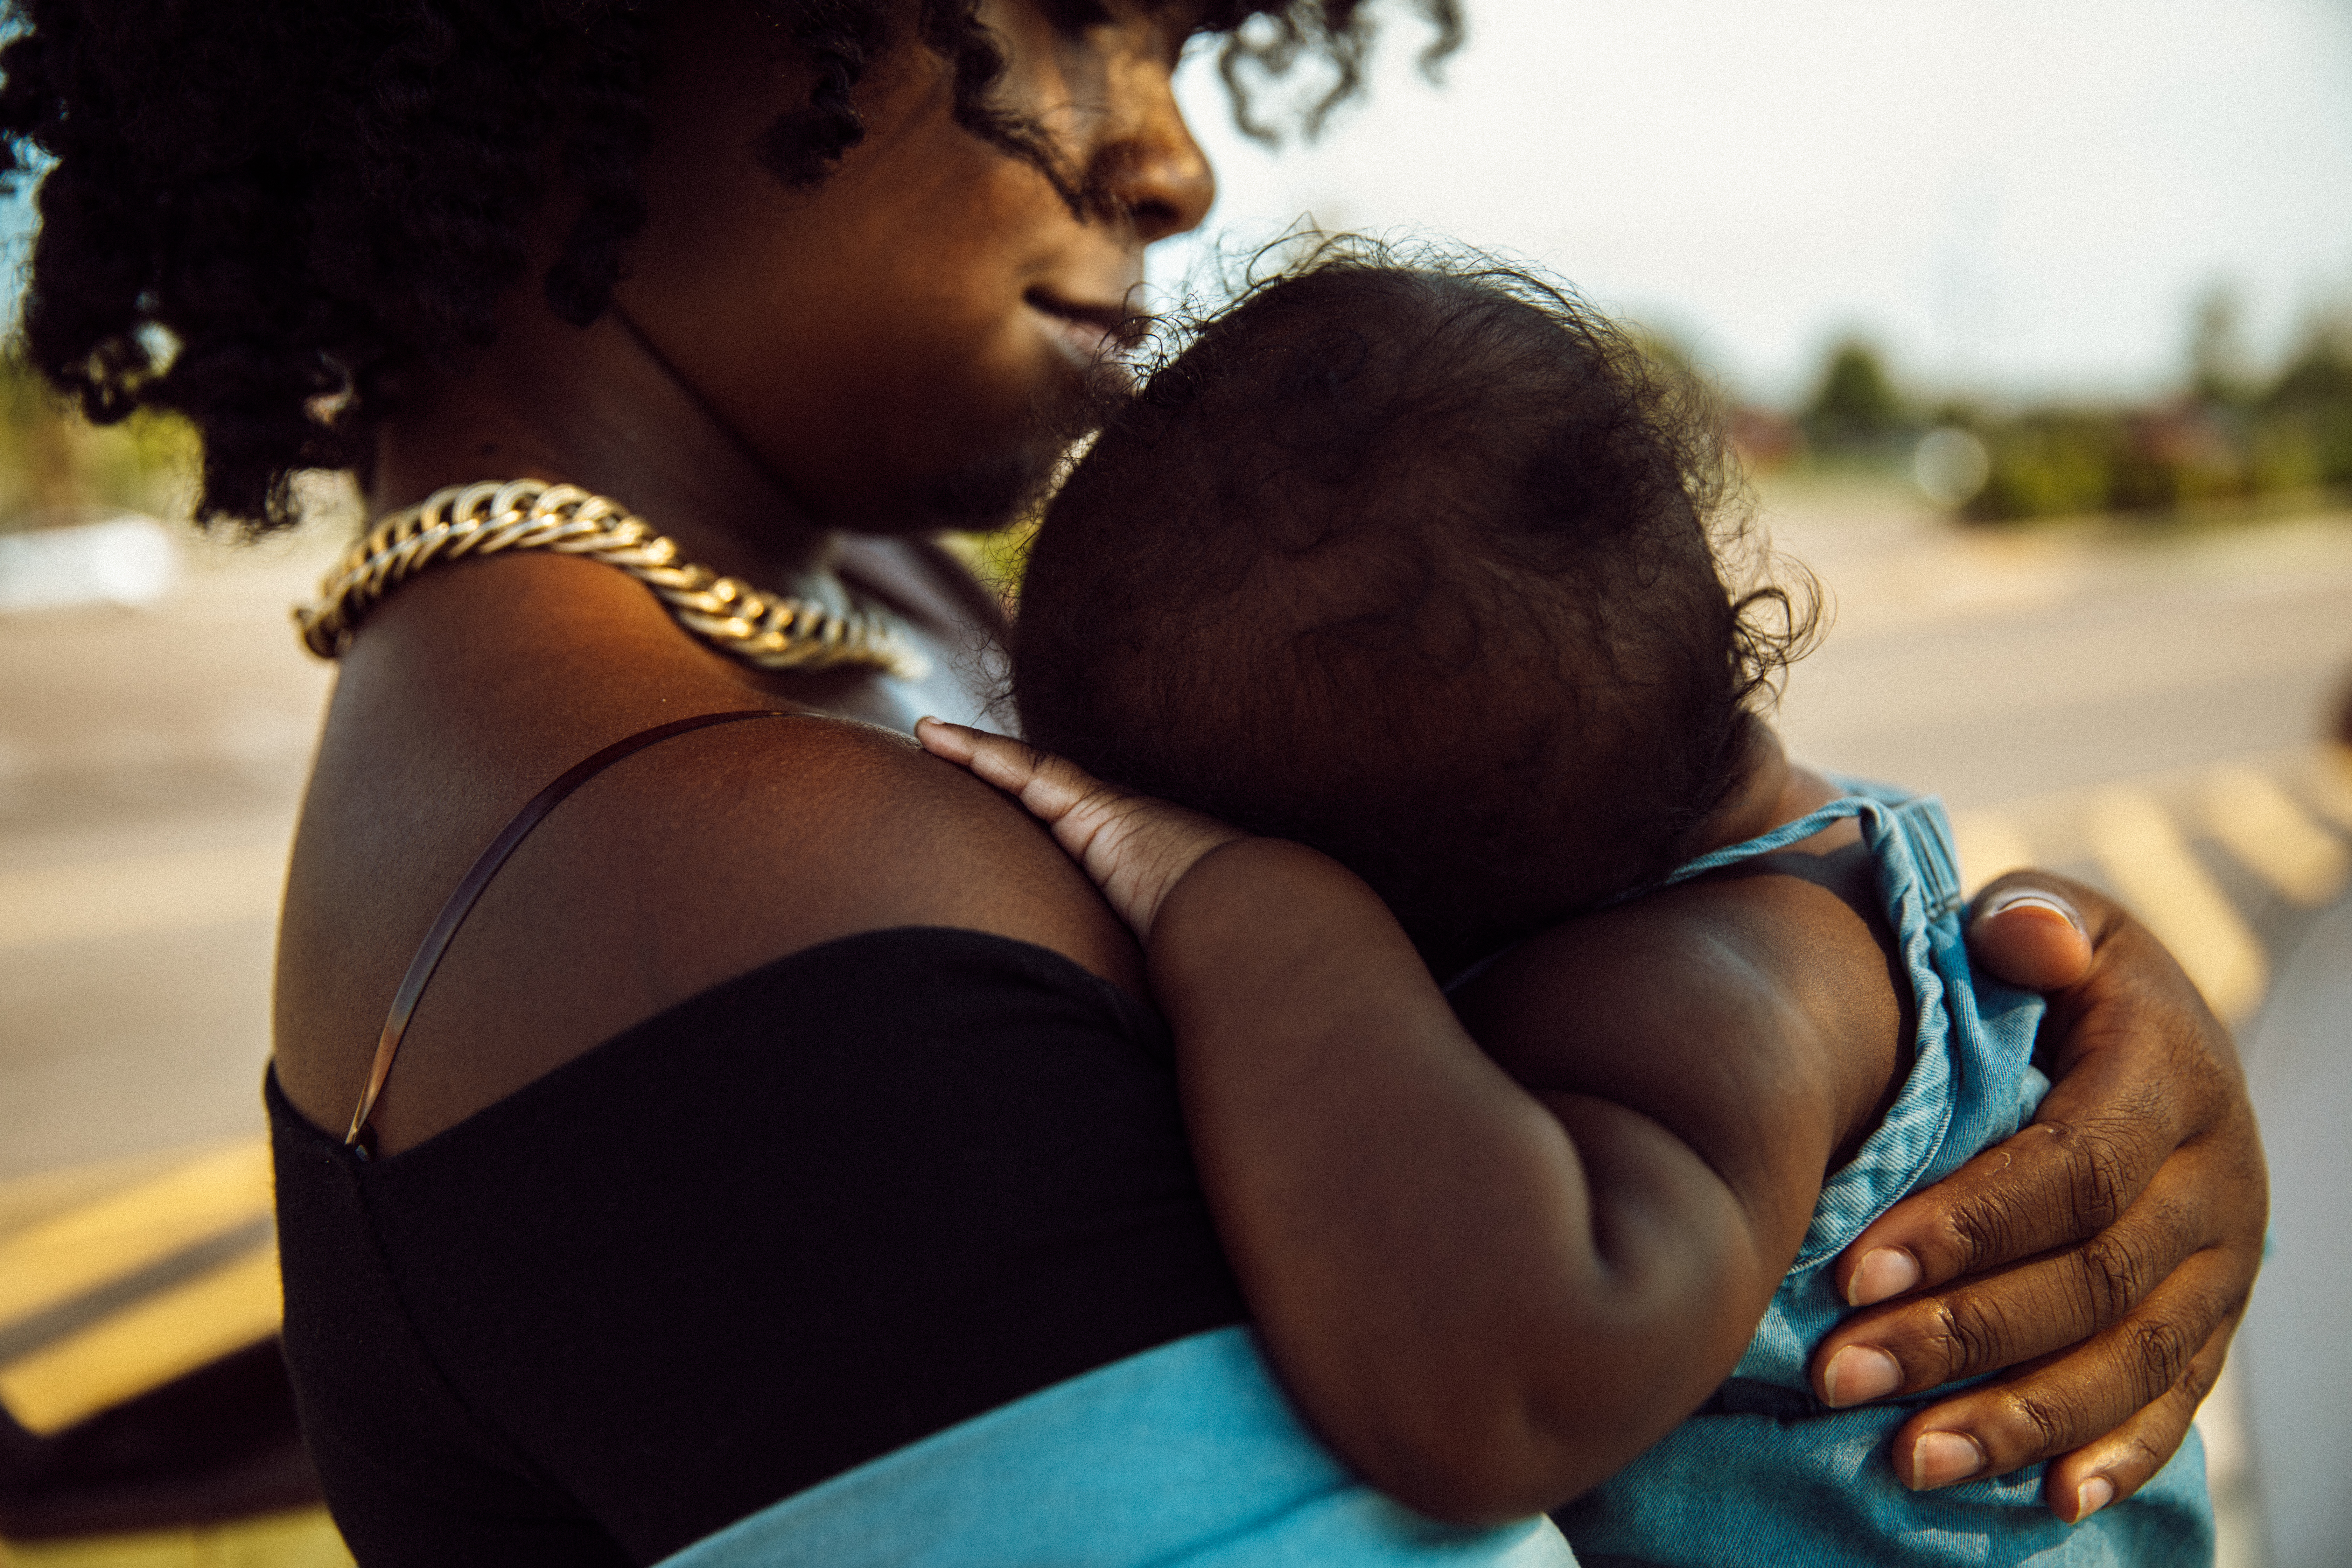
(470, 520)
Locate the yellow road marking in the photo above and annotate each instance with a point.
(2260, 824)
(181, 892)
(72, 1253)
(305, 1538)
(168, 1335)
(30, 1200)
(2151, 866)
(1987, 846)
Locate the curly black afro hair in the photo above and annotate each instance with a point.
(256, 213)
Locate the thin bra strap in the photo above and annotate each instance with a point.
(361, 1137)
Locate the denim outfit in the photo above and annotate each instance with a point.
(1765, 1473)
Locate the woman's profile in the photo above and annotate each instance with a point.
(786, 1102)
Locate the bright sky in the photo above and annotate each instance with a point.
(2013, 196)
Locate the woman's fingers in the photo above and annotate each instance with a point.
(2143, 1067)
(2079, 1484)
(1135, 849)
(2104, 1253)
(2189, 1224)
(2029, 936)
(2058, 1181)
(1985, 1323)
(2110, 1412)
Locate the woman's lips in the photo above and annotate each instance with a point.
(1090, 335)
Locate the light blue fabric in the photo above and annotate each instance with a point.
(1765, 1474)
(1184, 1456)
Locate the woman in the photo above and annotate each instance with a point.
(785, 1102)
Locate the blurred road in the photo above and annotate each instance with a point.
(1999, 667)
(150, 762)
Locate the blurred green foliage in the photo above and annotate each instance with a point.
(2305, 419)
(997, 559)
(55, 466)
(2227, 437)
(1856, 409)
(2230, 435)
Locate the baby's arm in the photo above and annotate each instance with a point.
(1488, 1297)
(1485, 1308)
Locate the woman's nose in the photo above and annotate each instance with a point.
(1154, 177)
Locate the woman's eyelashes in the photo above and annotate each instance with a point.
(1073, 18)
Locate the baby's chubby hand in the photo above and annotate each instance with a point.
(1135, 847)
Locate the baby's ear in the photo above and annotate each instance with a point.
(2030, 937)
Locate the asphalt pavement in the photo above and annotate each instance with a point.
(152, 760)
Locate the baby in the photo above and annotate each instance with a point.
(1403, 583)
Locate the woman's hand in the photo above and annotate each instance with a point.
(2104, 1253)
(1135, 847)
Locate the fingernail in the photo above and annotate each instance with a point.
(2092, 1496)
(1884, 1271)
(2032, 900)
(1939, 1459)
(1859, 1373)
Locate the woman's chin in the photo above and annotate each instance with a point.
(977, 496)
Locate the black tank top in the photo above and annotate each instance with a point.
(810, 1216)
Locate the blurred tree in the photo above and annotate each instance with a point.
(1856, 407)
(54, 465)
(1666, 350)
(2218, 366)
(2049, 463)
(2310, 404)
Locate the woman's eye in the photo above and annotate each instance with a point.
(1073, 17)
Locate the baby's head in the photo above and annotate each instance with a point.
(1412, 564)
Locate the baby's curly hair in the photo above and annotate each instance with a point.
(258, 213)
(1421, 562)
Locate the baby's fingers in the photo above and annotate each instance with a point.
(1050, 787)
(1134, 847)
(1091, 821)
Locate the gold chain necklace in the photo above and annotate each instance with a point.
(471, 520)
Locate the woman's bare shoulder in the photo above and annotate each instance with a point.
(870, 832)
(695, 860)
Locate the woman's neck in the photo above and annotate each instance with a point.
(598, 407)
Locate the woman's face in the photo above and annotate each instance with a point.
(903, 343)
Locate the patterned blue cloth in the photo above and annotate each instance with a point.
(1184, 1456)
(1767, 1475)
